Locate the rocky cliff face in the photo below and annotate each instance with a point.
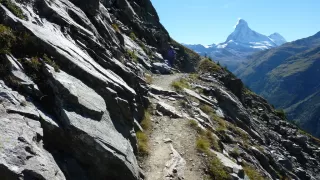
(72, 86)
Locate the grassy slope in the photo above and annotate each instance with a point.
(287, 76)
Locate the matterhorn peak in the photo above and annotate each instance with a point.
(241, 23)
(247, 37)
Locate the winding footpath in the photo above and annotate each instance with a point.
(173, 153)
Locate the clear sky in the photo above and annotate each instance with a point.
(211, 21)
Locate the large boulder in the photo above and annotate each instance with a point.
(161, 68)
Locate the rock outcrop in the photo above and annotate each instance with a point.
(76, 69)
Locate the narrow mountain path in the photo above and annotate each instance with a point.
(173, 153)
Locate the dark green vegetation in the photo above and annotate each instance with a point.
(25, 48)
(7, 38)
(13, 8)
(288, 77)
(280, 113)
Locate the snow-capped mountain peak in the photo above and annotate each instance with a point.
(242, 42)
(241, 24)
(277, 39)
(244, 35)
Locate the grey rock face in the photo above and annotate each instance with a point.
(85, 112)
(168, 110)
(162, 68)
(22, 151)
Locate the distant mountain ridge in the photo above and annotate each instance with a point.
(289, 77)
(241, 43)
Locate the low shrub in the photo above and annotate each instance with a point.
(207, 109)
(132, 55)
(34, 63)
(133, 36)
(143, 148)
(221, 122)
(213, 141)
(146, 122)
(202, 144)
(47, 60)
(13, 8)
(193, 123)
(194, 76)
(217, 170)
(180, 84)
(115, 27)
(7, 38)
(208, 66)
(281, 114)
(252, 173)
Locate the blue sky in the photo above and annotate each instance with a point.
(211, 21)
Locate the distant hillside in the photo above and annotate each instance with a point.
(288, 76)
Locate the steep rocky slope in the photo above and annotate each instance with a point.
(75, 102)
(287, 77)
(72, 85)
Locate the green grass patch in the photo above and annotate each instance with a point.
(193, 123)
(221, 122)
(194, 76)
(205, 141)
(217, 170)
(13, 8)
(143, 147)
(213, 141)
(208, 66)
(142, 137)
(207, 109)
(180, 84)
(252, 173)
(202, 144)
